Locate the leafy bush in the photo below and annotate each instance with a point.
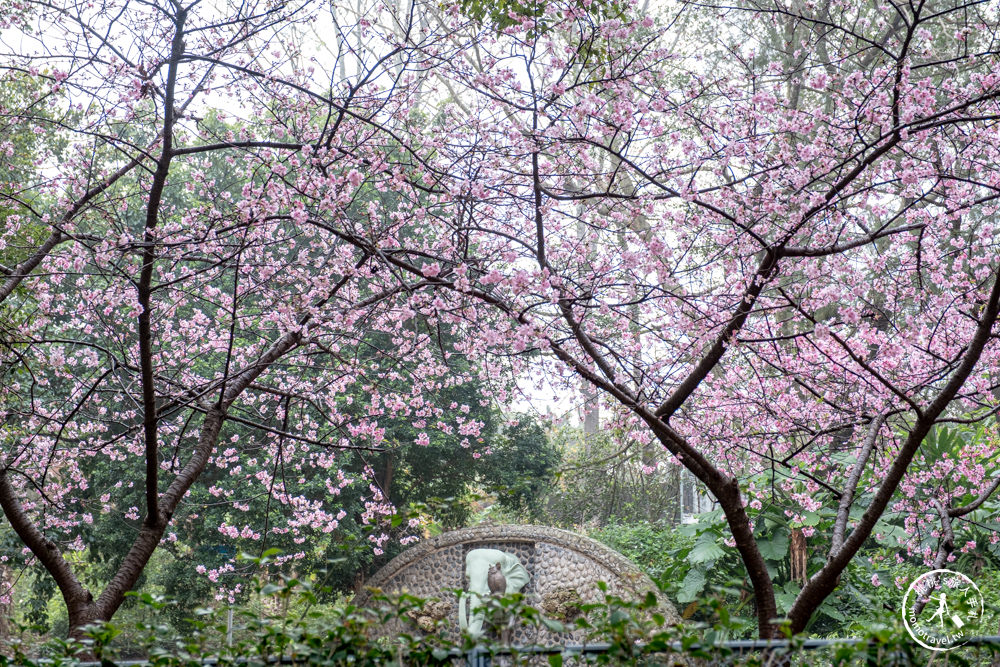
(658, 551)
(695, 568)
(631, 633)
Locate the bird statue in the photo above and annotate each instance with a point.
(496, 581)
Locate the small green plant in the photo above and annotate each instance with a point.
(287, 625)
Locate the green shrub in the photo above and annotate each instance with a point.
(654, 549)
(631, 633)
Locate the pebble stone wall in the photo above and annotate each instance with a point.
(560, 564)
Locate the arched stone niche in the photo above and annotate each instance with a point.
(562, 565)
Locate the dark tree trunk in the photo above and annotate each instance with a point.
(799, 557)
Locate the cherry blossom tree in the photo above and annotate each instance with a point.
(778, 264)
(775, 263)
(169, 316)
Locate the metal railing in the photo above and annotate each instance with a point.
(981, 651)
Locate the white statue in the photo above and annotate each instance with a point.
(506, 569)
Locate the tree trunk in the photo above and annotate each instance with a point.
(763, 588)
(387, 473)
(799, 557)
(80, 616)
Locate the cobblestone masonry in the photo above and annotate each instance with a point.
(562, 566)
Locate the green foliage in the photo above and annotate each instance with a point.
(695, 567)
(288, 625)
(652, 548)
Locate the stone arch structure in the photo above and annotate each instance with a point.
(562, 566)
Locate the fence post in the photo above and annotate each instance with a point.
(477, 658)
